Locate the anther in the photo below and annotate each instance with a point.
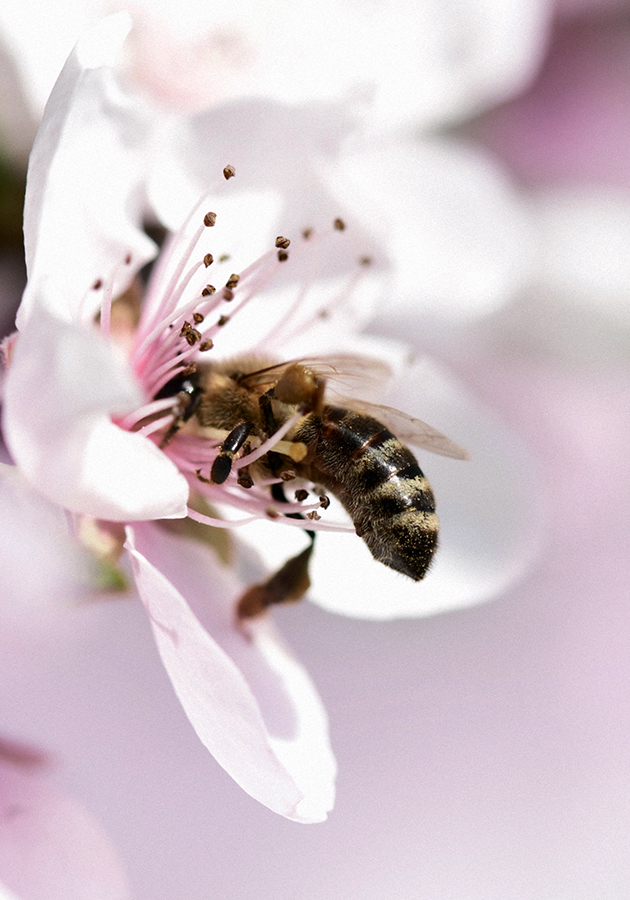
(98, 284)
(224, 257)
(324, 501)
(282, 255)
(192, 337)
(228, 294)
(301, 495)
(197, 318)
(208, 291)
(314, 516)
(272, 513)
(288, 475)
(306, 233)
(282, 242)
(128, 259)
(229, 172)
(223, 320)
(206, 345)
(186, 329)
(339, 224)
(208, 260)
(244, 479)
(232, 281)
(209, 219)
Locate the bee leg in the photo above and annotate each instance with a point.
(222, 465)
(287, 585)
(188, 395)
(266, 410)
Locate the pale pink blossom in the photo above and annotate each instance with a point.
(50, 847)
(76, 395)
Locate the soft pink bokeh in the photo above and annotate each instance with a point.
(572, 123)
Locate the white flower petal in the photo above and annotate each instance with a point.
(83, 199)
(250, 702)
(63, 385)
(455, 229)
(584, 234)
(425, 62)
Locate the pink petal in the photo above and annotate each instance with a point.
(63, 385)
(250, 702)
(50, 847)
(83, 207)
(572, 124)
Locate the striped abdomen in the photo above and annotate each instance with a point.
(379, 483)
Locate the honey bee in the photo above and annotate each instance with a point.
(345, 448)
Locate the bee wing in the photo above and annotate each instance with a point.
(347, 371)
(407, 428)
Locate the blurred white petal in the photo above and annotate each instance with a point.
(455, 229)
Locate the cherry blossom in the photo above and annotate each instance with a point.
(85, 422)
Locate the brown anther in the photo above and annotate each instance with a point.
(244, 479)
(208, 291)
(128, 259)
(223, 320)
(228, 294)
(209, 219)
(224, 257)
(190, 369)
(186, 329)
(206, 345)
(366, 261)
(208, 260)
(192, 337)
(232, 281)
(301, 495)
(313, 516)
(229, 172)
(306, 233)
(197, 318)
(324, 501)
(288, 475)
(282, 242)
(272, 513)
(282, 255)
(339, 224)
(98, 284)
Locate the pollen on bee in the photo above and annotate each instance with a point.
(297, 451)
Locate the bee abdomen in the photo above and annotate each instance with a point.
(381, 486)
